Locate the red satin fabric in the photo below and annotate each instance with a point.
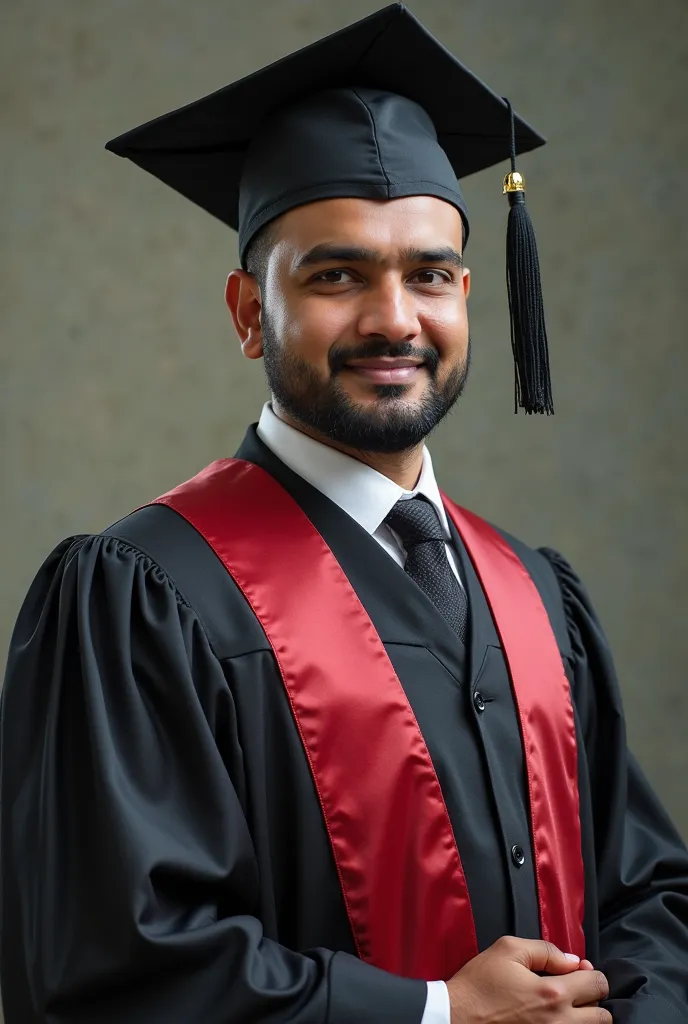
(393, 843)
(543, 698)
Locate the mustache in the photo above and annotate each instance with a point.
(340, 355)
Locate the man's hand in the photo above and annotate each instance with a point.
(500, 986)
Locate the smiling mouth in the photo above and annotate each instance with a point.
(386, 370)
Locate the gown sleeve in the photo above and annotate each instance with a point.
(641, 862)
(129, 880)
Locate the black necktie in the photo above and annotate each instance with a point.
(417, 524)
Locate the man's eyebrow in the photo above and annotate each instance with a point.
(443, 254)
(328, 252)
(331, 252)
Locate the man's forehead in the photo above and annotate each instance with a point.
(383, 227)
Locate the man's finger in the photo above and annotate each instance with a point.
(586, 987)
(597, 1016)
(539, 955)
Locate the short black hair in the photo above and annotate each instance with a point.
(258, 252)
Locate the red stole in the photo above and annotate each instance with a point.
(393, 844)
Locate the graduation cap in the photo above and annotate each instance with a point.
(378, 110)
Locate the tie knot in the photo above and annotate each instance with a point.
(415, 521)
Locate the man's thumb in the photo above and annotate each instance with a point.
(538, 955)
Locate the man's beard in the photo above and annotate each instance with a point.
(391, 424)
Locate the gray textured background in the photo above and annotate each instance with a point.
(120, 374)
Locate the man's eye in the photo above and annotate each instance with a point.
(333, 277)
(433, 277)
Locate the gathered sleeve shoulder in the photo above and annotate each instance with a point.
(641, 862)
(129, 877)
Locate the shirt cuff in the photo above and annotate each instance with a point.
(437, 1006)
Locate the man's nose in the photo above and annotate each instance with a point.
(389, 311)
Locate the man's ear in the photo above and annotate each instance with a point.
(242, 295)
(466, 281)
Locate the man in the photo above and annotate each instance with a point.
(303, 740)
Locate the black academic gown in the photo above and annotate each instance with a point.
(164, 857)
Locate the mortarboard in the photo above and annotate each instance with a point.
(379, 109)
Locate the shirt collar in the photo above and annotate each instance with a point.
(363, 493)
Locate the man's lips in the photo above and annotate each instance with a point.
(386, 370)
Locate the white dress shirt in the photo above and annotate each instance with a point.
(368, 497)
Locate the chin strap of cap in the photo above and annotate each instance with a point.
(533, 387)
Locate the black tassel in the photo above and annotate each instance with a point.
(533, 387)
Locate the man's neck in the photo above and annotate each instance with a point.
(403, 468)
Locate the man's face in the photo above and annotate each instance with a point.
(362, 319)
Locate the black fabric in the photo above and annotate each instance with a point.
(163, 855)
(280, 137)
(417, 524)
